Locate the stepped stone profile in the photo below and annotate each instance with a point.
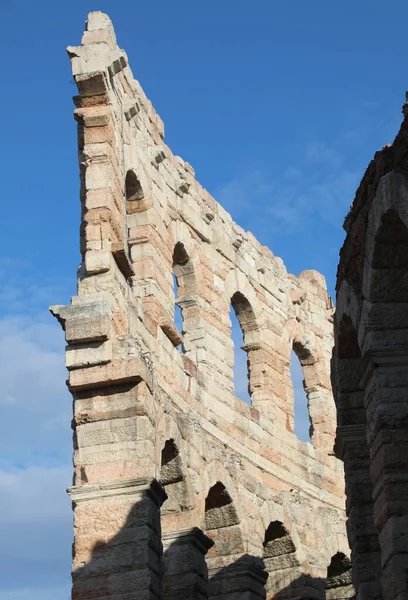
(370, 374)
(182, 490)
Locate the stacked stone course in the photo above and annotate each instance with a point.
(165, 455)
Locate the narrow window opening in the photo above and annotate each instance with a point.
(302, 418)
(171, 469)
(339, 564)
(242, 322)
(219, 508)
(172, 477)
(275, 531)
(182, 271)
(133, 189)
(178, 317)
(217, 497)
(241, 378)
(339, 584)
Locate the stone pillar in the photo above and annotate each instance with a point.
(362, 533)
(387, 412)
(352, 447)
(241, 579)
(185, 569)
(117, 550)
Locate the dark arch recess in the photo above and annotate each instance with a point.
(133, 188)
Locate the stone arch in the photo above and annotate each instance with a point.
(184, 286)
(339, 585)
(352, 447)
(246, 308)
(388, 210)
(137, 196)
(237, 281)
(222, 523)
(181, 233)
(133, 187)
(219, 508)
(317, 386)
(279, 554)
(183, 542)
(348, 304)
(173, 477)
(385, 355)
(388, 266)
(184, 271)
(249, 329)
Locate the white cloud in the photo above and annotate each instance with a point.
(35, 494)
(34, 401)
(35, 450)
(36, 526)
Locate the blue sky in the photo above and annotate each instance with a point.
(278, 106)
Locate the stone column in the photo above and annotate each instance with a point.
(117, 550)
(362, 533)
(185, 569)
(387, 413)
(241, 579)
(352, 447)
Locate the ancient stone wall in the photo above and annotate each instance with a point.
(370, 373)
(165, 455)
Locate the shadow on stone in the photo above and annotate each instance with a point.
(131, 565)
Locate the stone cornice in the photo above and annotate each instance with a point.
(380, 357)
(349, 434)
(127, 487)
(194, 536)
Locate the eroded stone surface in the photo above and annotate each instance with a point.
(146, 409)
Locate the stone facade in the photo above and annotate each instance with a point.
(182, 490)
(370, 375)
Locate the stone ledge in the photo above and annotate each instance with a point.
(125, 487)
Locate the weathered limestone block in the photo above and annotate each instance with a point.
(88, 321)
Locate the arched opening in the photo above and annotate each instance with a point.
(275, 531)
(178, 316)
(180, 267)
(242, 324)
(219, 508)
(389, 281)
(221, 523)
(339, 585)
(280, 558)
(347, 346)
(302, 422)
(133, 188)
(241, 363)
(173, 479)
(351, 442)
(315, 417)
